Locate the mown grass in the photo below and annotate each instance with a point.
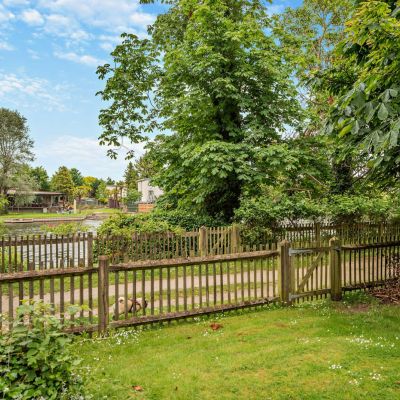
(81, 213)
(313, 351)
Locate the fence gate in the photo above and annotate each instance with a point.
(310, 272)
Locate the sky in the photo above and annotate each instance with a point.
(49, 52)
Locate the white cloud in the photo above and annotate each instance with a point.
(5, 46)
(64, 26)
(16, 2)
(37, 93)
(32, 17)
(34, 54)
(84, 59)
(84, 153)
(109, 15)
(5, 14)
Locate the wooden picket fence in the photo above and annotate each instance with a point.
(41, 252)
(187, 287)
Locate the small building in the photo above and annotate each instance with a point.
(36, 201)
(149, 195)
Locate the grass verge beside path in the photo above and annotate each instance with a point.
(349, 350)
(82, 213)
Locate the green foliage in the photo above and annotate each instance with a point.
(93, 183)
(259, 214)
(76, 177)
(62, 181)
(41, 177)
(186, 219)
(126, 225)
(146, 166)
(3, 205)
(344, 208)
(64, 228)
(36, 360)
(308, 35)
(15, 149)
(102, 192)
(131, 175)
(366, 80)
(81, 191)
(211, 75)
(133, 195)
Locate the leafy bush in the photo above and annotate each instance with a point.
(345, 208)
(36, 361)
(157, 222)
(186, 219)
(69, 228)
(3, 205)
(125, 225)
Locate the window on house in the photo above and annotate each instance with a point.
(151, 197)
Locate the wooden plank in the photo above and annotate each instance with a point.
(148, 264)
(314, 265)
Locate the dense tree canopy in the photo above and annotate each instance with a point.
(215, 80)
(15, 149)
(309, 35)
(366, 81)
(62, 181)
(39, 174)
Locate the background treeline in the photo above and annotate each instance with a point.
(18, 174)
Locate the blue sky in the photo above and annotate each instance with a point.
(49, 51)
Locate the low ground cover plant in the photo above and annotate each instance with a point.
(36, 360)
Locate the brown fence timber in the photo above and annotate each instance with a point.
(195, 285)
(42, 252)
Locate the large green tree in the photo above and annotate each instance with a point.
(366, 81)
(39, 174)
(214, 79)
(76, 176)
(309, 34)
(62, 181)
(15, 149)
(131, 175)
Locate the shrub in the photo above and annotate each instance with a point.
(186, 219)
(3, 205)
(357, 208)
(64, 229)
(125, 225)
(36, 361)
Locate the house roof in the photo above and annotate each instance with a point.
(35, 192)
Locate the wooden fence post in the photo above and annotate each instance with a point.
(235, 239)
(90, 249)
(336, 269)
(203, 241)
(317, 227)
(284, 276)
(103, 305)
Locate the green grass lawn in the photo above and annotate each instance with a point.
(349, 350)
(81, 213)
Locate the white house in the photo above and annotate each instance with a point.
(149, 193)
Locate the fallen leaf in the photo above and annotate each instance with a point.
(137, 388)
(214, 326)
